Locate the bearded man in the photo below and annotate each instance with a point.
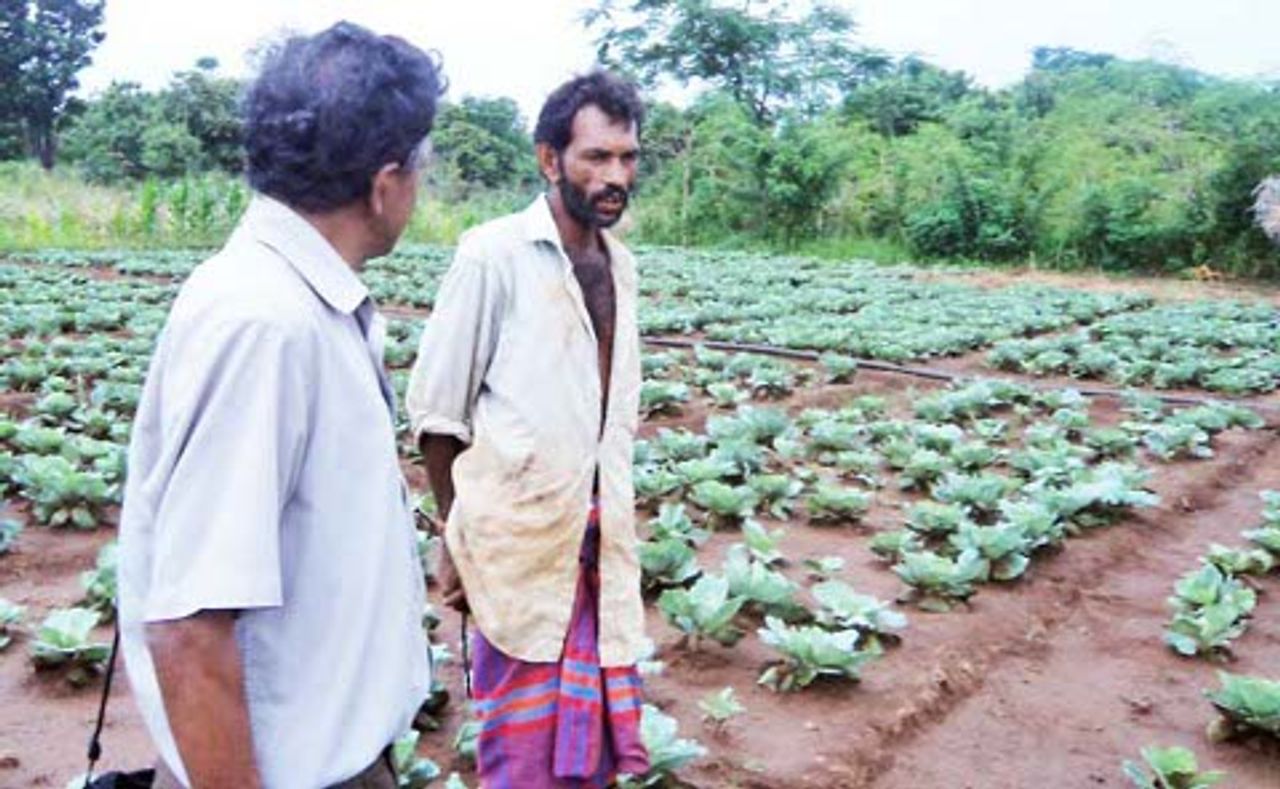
(525, 402)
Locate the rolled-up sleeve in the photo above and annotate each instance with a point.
(457, 345)
(235, 412)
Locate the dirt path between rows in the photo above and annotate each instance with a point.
(1100, 685)
(908, 706)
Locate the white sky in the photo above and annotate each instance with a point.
(524, 48)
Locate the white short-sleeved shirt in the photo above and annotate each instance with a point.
(263, 478)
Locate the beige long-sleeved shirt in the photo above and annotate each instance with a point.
(508, 364)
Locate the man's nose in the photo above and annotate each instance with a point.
(616, 174)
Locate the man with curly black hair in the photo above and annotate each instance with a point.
(270, 595)
(525, 400)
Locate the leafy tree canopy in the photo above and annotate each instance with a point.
(44, 45)
(769, 56)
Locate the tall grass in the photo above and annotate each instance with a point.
(58, 209)
(40, 210)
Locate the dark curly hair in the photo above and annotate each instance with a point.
(616, 97)
(330, 110)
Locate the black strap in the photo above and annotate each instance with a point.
(95, 742)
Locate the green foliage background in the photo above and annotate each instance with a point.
(798, 138)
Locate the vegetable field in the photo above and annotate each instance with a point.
(900, 527)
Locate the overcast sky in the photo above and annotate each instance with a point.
(524, 48)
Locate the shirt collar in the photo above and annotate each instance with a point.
(540, 225)
(280, 227)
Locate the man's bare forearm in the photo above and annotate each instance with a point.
(438, 454)
(201, 680)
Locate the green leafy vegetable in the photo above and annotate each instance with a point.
(835, 504)
(810, 652)
(1170, 768)
(725, 502)
(99, 584)
(766, 590)
(668, 752)
(1210, 611)
(843, 608)
(412, 771)
(938, 581)
(63, 639)
(721, 706)
(704, 611)
(10, 617)
(1248, 705)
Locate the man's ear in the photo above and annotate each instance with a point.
(382, 184)
(548, 163)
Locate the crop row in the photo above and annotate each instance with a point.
(894, 314)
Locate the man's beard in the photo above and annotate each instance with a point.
(582, 207)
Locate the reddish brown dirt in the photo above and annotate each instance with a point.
(45, 722)
(15, 404)
(1099, 685)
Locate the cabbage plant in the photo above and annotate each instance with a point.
(10, 618)
(1247, 705)
(840, 607)
(725, 503)
(704, 611)
(809, 652)
(835, 504)
(99, 584)
(1211, 609)
(937, 582)
(412, 771)
(765, 590)
(60, 493)
(1169, 768)
(63, 639)
(668, 752)
(667, 562)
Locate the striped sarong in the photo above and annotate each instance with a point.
(566, 724)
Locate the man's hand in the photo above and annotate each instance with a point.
(438, 454)
(451, 591)
(201, 680)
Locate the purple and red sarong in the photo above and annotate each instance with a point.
(566, 724)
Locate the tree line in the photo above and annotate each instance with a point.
(796, 133)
